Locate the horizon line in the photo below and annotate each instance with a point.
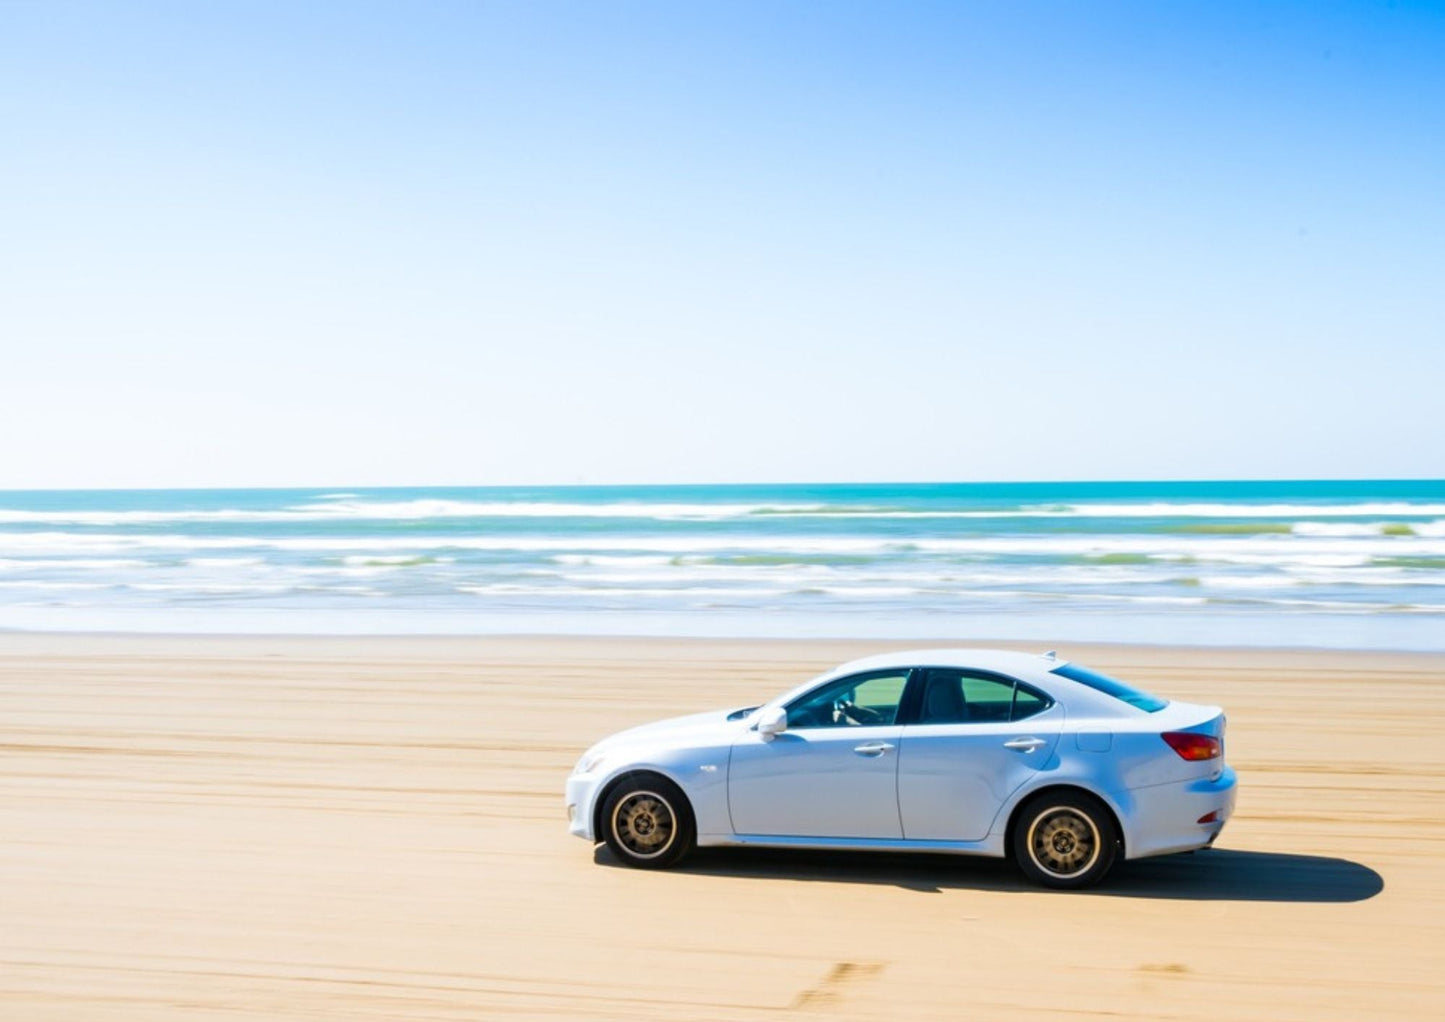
(714, 485)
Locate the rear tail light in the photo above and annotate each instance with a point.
(1191, 746)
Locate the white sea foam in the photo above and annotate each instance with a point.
(403, 510)
(1176, 601)
(38, 584)
(71, 563)
(1283, 558)
(1248, 582)
(336, 508)
(1155, 509)
(1163, 509)
(1267, 549)
(677, 576)
(516, 589)
(65, 542)
(1371, 576)
(1254, 549)
(74, 542)
(11, 516)
(406, 510)
(1356, 529)
(348, 506)
(345, 570)
(392, 560)
(1046, 595)
(1335, 606)
(606, 559)
(869, 592)
(205, 588)
(1335, 530)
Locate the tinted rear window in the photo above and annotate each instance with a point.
(1112, 687)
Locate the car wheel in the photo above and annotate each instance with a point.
(647, 822)
(1065, 840)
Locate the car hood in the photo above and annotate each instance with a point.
(694, 729)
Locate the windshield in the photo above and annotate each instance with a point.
(1112, 687)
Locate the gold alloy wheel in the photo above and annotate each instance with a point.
(644, 824)
(1063, 842)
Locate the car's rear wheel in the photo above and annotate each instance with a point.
(1066, 840)
(647, 822)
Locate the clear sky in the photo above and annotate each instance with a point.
(360, 243)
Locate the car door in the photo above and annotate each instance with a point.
(832, 773)
(975, 739)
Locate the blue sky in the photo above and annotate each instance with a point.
(331, 244)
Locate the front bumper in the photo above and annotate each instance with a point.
(581, 797)
(1165, 818)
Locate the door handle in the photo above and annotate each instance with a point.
(872, 748)
(1024, 744)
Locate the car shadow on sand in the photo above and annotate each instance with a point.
(1216, 874)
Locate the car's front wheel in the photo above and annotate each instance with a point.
(647, 822)
(1065, 840)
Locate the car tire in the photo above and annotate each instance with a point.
(647, 822)
(1065, 840)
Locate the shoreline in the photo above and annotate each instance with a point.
(865, 644)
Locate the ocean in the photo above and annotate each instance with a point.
(1317, 564)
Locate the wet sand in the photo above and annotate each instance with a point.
(351, 829)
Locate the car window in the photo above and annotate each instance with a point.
(858, 699)
(1112, 687)
(1027, 702)
(963, 697)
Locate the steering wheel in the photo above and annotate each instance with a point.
(846, 711)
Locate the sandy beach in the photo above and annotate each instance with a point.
(292, 828)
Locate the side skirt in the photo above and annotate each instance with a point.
(991, 847)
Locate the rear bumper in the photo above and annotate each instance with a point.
(1165, 818)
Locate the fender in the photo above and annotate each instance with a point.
(706, 790)
(1118, 802)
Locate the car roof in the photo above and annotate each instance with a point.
(1002, 660)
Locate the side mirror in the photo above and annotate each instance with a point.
(772, 721)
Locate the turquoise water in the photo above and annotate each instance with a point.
(1294, 564)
